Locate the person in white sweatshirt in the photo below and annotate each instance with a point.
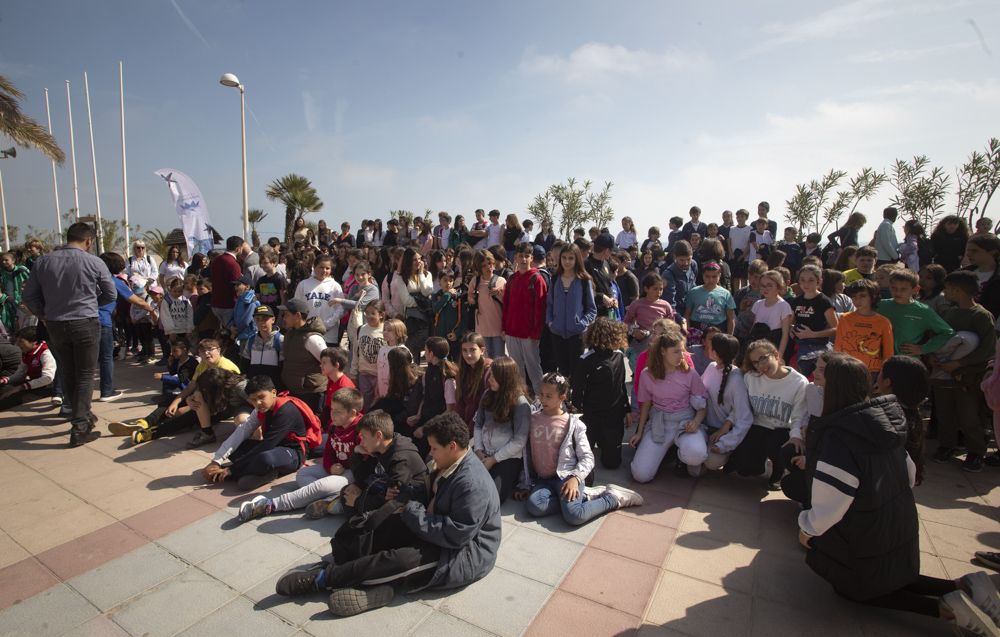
(318, 290)
(176, 311)
(777, 398)
(729, 416)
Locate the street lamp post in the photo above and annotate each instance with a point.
(228, 79)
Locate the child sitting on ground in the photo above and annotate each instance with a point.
(33, 377)
(320, 484)
(180, 370)
(438, 395)
(557, 460)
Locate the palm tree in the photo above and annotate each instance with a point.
(25, 131)
(299, 198)
(255, 216)
(156, 243)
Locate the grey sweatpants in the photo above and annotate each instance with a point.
(314, 484)
(526, 354)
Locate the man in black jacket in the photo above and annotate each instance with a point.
(597, 267)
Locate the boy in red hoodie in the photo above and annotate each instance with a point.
(524, 299)
(320, 484)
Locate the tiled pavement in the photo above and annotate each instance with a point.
(110, 540)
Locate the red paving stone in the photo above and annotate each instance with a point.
(90, 551)
(168, 517)
(567, 614)
(612, 580)
(21, 580)
(660, 508)
(634, 538)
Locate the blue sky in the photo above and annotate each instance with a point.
(458, 105)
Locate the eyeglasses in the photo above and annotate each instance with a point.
(206, 350)
(756, 363)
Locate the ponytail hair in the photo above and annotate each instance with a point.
(727, 348)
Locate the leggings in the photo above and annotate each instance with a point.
(505, 474)
(760, 443)
(923, 596)
(567, 351)
(605, 433)
(314, 484)
(795, 485)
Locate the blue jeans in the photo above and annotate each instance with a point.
(545, 500)
(284, 460)
(494, 346)
(106, 360)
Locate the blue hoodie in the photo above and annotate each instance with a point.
(243, 311)
(569, 312)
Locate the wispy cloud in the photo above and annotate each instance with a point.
(596, 61)
(881, 56)
(187, 22)
(311, 111)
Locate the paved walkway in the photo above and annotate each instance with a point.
(110, 540)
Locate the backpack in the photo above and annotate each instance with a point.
(314, 430)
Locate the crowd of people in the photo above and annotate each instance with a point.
(414, 377)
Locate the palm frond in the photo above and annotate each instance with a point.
(23, 130)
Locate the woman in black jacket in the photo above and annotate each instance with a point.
(948, 241)
(862, 531)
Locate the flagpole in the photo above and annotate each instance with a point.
(121, 109)
(72, 153)
(3, 207)
(55, 182)
(93, 161)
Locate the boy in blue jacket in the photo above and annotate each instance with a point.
(243, 327)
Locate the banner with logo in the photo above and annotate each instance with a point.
(191, 209)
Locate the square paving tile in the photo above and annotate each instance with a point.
(203, 539)
(697, 608)
(99, 626)
(567, 614)
(503, 603)
(960, 544)
(555, 525)
(777, 619)
(174, 605)
(297, 610)
(540, 556)
(10, 551)
(660, 508)
(253, 560)
(239, 616)
(790, 581)
(169, 516)
(740, 495)
(91, 550)
(724, 525)
(22, 580)
(296, 528)
(398, 618)
(612, 580)
(52, 612)
(730, 566)
(117, 581)
(634, 538)
(439, 625)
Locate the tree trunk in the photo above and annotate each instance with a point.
(255, 238)
(289, 225)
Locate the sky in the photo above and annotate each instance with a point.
(454, 106)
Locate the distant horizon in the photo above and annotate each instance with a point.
(456, 107)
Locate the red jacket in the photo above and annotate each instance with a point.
(225, 269)
(524, 299)
(340, 445)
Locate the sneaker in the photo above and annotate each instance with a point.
(253, 509)
(76, 440)
(126, 428)
(625, 497)
(592, 493)
(203, 437)
(980, 589)
(973, 463)
(943, 454)
(989, 558)
(968, 616)
(141, 436)
(57, 401)
(301, 581)
(328, 506)
(113, 396)
(345, 602)
(249, 483)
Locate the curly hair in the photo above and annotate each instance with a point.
(606, 334)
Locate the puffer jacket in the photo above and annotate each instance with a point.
(856, 457)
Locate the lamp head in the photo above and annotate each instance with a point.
(228, 79)
(10, 153)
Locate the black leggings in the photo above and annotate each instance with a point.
(605, 432)
(923, 596)
(796, 485)
(566, 352)
(505, 474)
(759, 444)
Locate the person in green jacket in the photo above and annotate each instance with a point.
(12, 279)
(916, 328)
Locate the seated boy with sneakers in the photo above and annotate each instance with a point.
(33, 377)
(320, 484)
(273, 441)
(181, 368)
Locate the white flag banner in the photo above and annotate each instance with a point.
(191, 209)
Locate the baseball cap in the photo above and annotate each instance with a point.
(538, 253)
(246, 279)
(604, 242)
(263, 310)
(295, 305)
(155, 289)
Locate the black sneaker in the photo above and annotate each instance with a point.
(203, 437)
(943, 454)
(76, 440)
(973, 463)
(299, 581)
(345, 602)
(989, 558)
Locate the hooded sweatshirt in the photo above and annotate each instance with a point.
(243, 311)
(318, 294)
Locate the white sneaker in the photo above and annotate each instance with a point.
(625, 497)
(968, 616)
(57, 401)
(980, 589)
(113, 396)
(592, 493)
